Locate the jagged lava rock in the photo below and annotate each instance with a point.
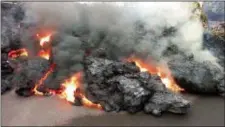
(121, 86)
(30, 71)
(198, 77)
(6, 73)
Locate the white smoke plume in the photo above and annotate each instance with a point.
(121, 28)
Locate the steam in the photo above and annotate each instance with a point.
(145, 29)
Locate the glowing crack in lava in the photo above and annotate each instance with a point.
(40, 82)
(161, 71)
(17, 53)
(70, 91)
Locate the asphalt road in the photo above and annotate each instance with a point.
(47, 111)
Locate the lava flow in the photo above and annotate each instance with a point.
(44, 54)
(36, 92)
(70, 91)
(70, 85)
(17, 53)
(44, 40)
(45, 51)
(161, 71)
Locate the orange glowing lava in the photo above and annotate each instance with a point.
(70, 85)
(46, 49)
(161, 71)
(44, 54)
(69, 93)
(36, 92)
(44, 40)
(18, 53)
(89, 104)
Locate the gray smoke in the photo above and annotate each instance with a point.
(144, 29)
(10, 17)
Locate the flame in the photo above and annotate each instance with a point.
(45, 51)
(70, 91)
(36, 92)
(44, 40)
(44, 54)
(18, 53)
(161, 71)
(142, 65)
(70, 85)
(88, 103)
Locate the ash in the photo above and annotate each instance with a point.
(121, 86)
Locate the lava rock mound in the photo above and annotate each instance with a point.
(121, 86)
(29, 72)
(196, 77)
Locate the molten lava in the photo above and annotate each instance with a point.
(161, 71)
(70, 88)
(44, 40)
(18, 53)
(70, 85)
(36, 92)
(44, 54)
(46, 50)
(88, 103)
(70, 91)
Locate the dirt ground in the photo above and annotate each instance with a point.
(47, 111)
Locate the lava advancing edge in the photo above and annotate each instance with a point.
(161, 71)
(69, 87)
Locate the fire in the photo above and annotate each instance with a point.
(46, 50)
(36, 92)
(142, 65)
(18, 53)
(88, 103)
(44, 54)
(70, 85)
(44, 40)
(161, 71)
(70, 91)
(70, 88)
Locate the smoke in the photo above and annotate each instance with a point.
(145, 29)
(10, 17)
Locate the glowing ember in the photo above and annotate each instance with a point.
(18, 53)
(36, 92)
(44, 40)
(163, 72)
(44, 54)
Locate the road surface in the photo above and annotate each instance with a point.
(49, 111)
